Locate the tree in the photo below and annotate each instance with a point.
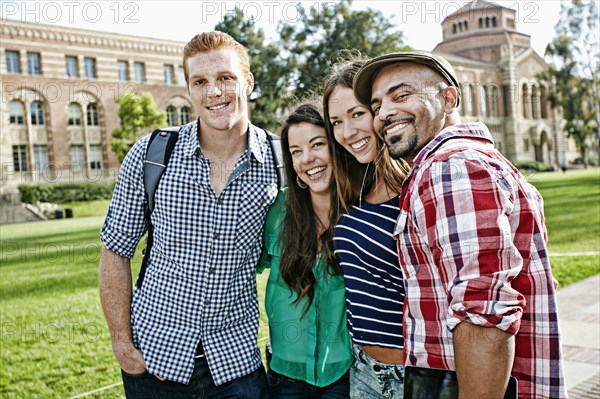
(271, 73)
(314, 40)
(295, 64)
(574, 56)
(139, 116)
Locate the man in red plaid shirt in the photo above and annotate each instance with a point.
(480, 296)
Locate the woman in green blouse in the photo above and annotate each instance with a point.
(305, 299)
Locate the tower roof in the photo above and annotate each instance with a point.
(476, 5)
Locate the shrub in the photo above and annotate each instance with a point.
(534, 166)
(65, 192)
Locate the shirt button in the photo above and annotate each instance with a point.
(207, 302)
(376, 368)
(219, 202)
(216, 234)
(262, 201)
(211, 270)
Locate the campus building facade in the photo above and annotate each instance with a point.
(499, 71)
(59, 91)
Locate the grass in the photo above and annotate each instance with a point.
(54, 341)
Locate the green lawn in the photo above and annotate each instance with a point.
(54, 341)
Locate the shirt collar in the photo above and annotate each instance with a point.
(256, 140)
(463, 130)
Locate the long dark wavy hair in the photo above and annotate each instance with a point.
(354, 177)
(298, 235)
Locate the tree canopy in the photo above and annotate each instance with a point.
(139, 116)
(295, 63)
(574, 56)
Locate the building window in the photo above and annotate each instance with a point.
(20, 158)
(169, 79)
(494, 23)
(37, 113)
(181, 76)
(494, 102)
(40, 157)
(34, 66)
(185, 115)
(483, 99)
(77, 157)
(90, 67)
(171, 116)
(526, 145)
(74, 114)
(481, 22)
(12, 62)
(95, 157)
(467, 99)
(139, 72)
(466, 23)
(92, 115)
(16, 113)
(123, 70)
(71, 66)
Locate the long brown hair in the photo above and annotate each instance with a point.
(349, 185)
(298, 236)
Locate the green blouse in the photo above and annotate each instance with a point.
(314, 348)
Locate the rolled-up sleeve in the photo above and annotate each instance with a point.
(125, 223)
(466, 216)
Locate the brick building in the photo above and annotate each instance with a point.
(499, 71)
(59, 87)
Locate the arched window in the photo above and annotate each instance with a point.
(544, 102)
(494, 23)
(92, 115)
(481, 22)
(487, 22)
(185, 115)
(74, 114)
(37, 113)
(171, 116)
(467, 99)
(453, 28)
(16, 112)
(483, 100)
(466, 25)
(526, 100)
(494, 102)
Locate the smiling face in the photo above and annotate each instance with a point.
(410, 105)
(219, 90)
(310, 156)
(352, 124)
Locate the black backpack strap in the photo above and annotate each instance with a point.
(275, 142)
(158, 153)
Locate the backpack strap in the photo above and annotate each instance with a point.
(275, 142)
(158, 153)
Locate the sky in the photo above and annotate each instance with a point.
(420, 21)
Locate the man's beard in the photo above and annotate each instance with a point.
(401, 151)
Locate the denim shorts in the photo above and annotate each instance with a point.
(371, 379)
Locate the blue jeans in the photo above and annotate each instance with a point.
(370, 379)
(283, 387)
(201, 386)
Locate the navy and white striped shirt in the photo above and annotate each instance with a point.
(200, 283)
(367, 252)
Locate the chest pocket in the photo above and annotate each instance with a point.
(255, 202)
(402, 234)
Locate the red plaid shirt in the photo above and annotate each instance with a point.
(472, 245)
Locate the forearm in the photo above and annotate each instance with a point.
(115, 295)
(484, 359)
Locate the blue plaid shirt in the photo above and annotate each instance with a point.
(200, 283)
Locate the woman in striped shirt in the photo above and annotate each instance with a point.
(363, 241)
